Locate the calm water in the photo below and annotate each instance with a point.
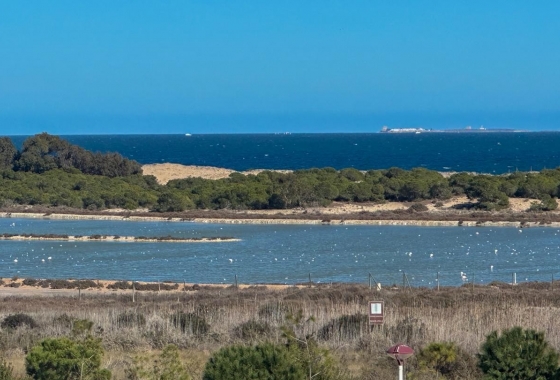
(478, 152)
(284, 253)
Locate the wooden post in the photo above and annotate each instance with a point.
(552, 283)
(437, 280)
(309, 279)
(133, 292)
(236, 281)
(472, 285)
(404, 280)
(79, 292)
(369, 280)
(159, 286)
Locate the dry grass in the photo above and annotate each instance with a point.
(417, 316)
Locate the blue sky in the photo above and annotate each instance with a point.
(72, 67)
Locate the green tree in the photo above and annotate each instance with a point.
(518, 354)
(66, 359)
(262, 362)
(8, 153)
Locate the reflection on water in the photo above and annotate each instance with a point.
(284, 253)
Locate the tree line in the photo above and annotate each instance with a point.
(49, 171)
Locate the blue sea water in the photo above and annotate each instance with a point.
(477, 152)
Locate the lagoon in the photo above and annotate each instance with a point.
(284, 253)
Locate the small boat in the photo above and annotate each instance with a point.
(188, 134)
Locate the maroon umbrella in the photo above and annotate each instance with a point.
(400, 352)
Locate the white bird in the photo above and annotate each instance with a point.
(431, 255)
(43, 260)
(15, 260)
(463, 276)
(491, 268)
(231, 260)
(49, 258)
(495, 252)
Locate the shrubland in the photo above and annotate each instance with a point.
(323, 329)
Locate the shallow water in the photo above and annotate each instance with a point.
(284, 253)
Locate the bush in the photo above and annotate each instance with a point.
(345, 327)
(167, 366)
(262, 362)
(121, 285)
(14, 321)
(447, 360)
(6, 370)
(418, 207)
(63, 359)
(517, 354)
(30, 282)
(252, 330)
(190, 323)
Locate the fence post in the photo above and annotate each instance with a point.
(404, 280)
(236, 281)
(133, 292)
(552, 283)
(369, 280)
(309, 279)
(437, 280)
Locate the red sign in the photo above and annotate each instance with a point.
(376, 312)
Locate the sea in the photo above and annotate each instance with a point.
(292, 254)
(490, 152)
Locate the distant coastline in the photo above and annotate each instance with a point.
(468, 129)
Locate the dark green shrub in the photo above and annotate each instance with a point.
(14, 321)
(30, 282)
(418, 207)
(262, 362)
(448, 360)
(252, 330)
(517, 354)
(346, 327)
(130, 319)
(81, 327)
(190, 323)
(121, 285)
(66, 359)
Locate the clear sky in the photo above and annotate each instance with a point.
(81, 67)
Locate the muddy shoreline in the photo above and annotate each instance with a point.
(391, 218)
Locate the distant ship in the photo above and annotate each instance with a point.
(468, 129)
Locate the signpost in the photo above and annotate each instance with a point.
(400, 352)
(376, 312)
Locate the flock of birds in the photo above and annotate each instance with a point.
(322, 255)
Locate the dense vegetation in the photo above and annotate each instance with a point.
(457, 333)
(49, 171)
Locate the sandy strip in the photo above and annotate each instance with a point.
(127, 239)
(166, 172)
(256, 220)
